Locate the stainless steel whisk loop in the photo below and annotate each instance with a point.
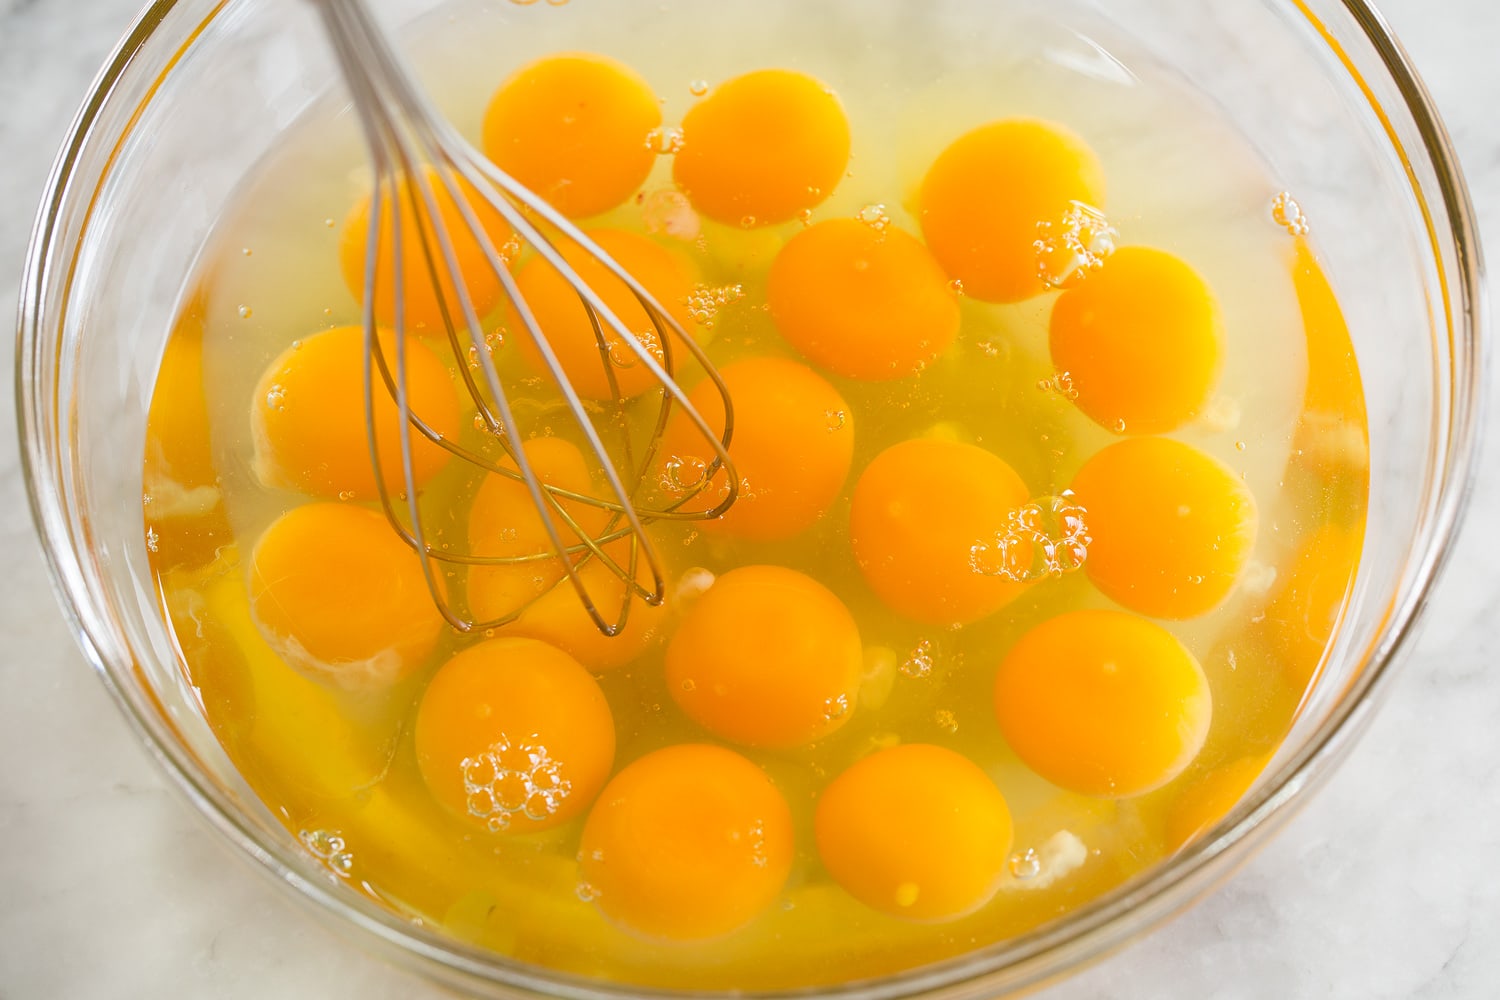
(412, 148)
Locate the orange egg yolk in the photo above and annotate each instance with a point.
(514, 736)
(557, 614)
(338, 594)
(983, 198)
(1209, 800)
(425, 302)
(307, 417)
(687, 843)
(792, 447)
(862, 303)
(614, 369)
(916, 831)
(504, 523)
(1172, 527)
(918, 511)
(1305, 608)
(576, 129)
(1140, 340)
(762, 147)
(1333, 432)
(766, 657)
(1103, 703)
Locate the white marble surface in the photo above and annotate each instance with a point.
(1386, 886)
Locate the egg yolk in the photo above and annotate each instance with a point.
(180, 478)
(179, 451)
(338, 594)
(1307, 602)
(792, 447)
(307, 417)
(1203, 804)
(1333, 385)
(423, 301)
(686, 843)
(564, 320)
(1333, 434)
(918, 511)
(1103, 703)
(505, 523)
(862, 303)
(916, 831)
(983, 198)
(576, 129)
(1140, 340)
(557, 615)
(762, 147)
(514, 736)
(1172, 527)
(766, 657)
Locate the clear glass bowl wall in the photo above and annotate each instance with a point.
(201, 89)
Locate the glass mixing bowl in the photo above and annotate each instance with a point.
(200, 89)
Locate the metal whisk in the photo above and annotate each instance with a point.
(415, 152)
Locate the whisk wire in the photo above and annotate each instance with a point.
(406, 137)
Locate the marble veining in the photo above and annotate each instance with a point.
(1383, 888)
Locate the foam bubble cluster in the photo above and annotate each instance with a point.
(1047, 537)
(510, 778)
(1073, 246)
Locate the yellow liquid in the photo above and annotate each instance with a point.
(1287, 416)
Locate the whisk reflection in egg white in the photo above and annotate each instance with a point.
(406, 136)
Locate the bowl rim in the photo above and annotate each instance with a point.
(1072, 942)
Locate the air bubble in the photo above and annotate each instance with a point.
(919, 661)
(1072, 247)
(1239, 446)
(758, 856)
(245, 312)
(946, 720)
(956, 286)
(246, 251)
(681, 473)
(836, 707)
(153, 540)
(329, 223)
(747, 222)
(805, 216)
(1061, 383)
(346, 495)
(587, 892)
(664, 141)
(328, 847)
(1025, 865)
(276, 397)
(705, 302)
(1047, 537)
(991, 348)
(836, 420)
(1288, 214)
(698, 88)
(622, 356)
(511, 778)
(875, 216)
(1118, 426)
